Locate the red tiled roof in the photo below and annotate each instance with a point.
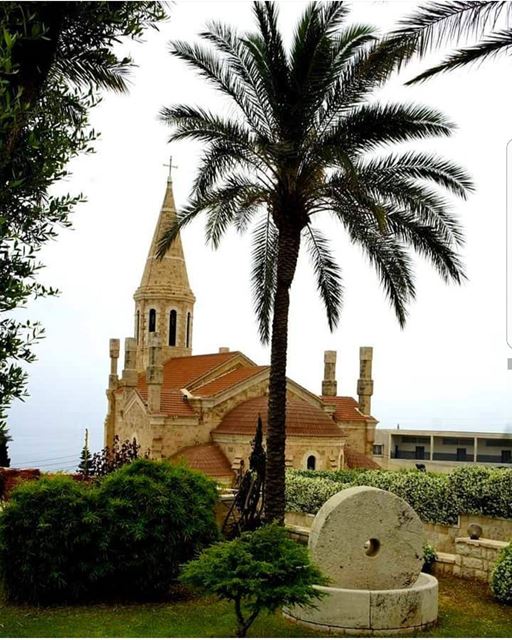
(208, 458)
(356, 460)
(172, 401)
(302, 419)
(347, 409)
(228, 380)
(179, 372)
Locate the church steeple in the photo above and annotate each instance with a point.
(164, 302)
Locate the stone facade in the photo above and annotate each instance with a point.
(171, 401)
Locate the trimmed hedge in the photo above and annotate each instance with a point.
(436, 497)
(501, 578)
(124, 537)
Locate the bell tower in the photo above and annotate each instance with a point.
(164, 302)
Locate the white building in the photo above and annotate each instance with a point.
(440, 450)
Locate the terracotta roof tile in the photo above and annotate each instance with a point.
(208, 458)
(347, 409)
(302, 419)
(228, 380)
(172, 403)
(356, 460)
(179, 372)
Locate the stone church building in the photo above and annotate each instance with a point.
(203, 409)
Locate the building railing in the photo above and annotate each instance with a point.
(453, 457)
(409, 455)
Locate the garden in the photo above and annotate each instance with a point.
(138, 552)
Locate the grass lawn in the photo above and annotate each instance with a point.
(466, 610)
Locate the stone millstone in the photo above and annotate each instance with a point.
(367, 538)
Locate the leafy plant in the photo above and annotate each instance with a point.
(429, 557)
(262, 570)
(62, 540)
(55, 59)
(110, 459)
(436, 497)
(5, 438)
(501, 576)
(51, 539)
(156, 517)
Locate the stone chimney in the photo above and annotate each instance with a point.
(223, 349)
(154, 374)
(114, 355)
(329, 384)
(365, 382)
(130, 355)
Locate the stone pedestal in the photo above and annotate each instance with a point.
(369, 544)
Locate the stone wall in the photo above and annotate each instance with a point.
(443, 537)
(476, 558)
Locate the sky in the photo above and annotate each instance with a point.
(446, 370)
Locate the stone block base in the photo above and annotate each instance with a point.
(358, 612)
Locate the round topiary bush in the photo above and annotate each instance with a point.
(157, 516)
(50, 536)
(501, 578)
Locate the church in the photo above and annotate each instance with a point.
(203, 409)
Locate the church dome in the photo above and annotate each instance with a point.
(302, 419)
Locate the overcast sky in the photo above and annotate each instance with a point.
(446, 369)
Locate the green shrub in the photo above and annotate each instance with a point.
(50, 535)
(307, 494)
(62, 540)
(157, 516)
(436, 497)
(501, 577)
(261, 571)
(429, 557)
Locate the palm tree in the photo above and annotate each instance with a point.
(438, 23)
(300, 145)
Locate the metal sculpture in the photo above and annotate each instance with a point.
(245, 513)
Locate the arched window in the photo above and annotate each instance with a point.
(152, 320)
(172, 328)
(311, 463)
(137, 326)
(188, 330)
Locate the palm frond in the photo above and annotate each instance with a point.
(419, 166)
(491, 46)
(389, 258)
(218, 72)
(369, 126)
(327, 272)
(440, 23)
(263, 275)
(429, 243)
(242, 65)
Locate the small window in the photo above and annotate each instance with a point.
(152, 320)
(137, 326)
(378, 449)
(188, 330)
(172, 328)
(311, 463)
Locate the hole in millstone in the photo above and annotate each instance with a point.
(371, 547)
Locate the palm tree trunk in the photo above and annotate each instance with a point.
(288, 252)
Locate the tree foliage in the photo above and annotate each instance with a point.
(110, 459)
(123, 537)
(55, 58)
(452, 23)
(262, 570)
(305, 138)
(501, 577)
(5, 438)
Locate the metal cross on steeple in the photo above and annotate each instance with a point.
(171, 167)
